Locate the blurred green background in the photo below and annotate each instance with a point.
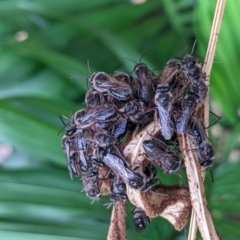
(43, 43)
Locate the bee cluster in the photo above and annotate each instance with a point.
(118, 107)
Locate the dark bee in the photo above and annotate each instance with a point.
(192, 66)
(84, 118)
(105, 113)
(171, 69)
(141, 220)
(164, 102)
(205, 149)
(68, 146)
(193, 71)
(200, 88)
(189, 105)
(136, 113)
(73, 164)
(124, 77)
(169, 162)
(94, 99)
(151, 177)
(145, 79)
(104, 83)
(101, 117)
(119, 167)
(75, 149)
(70, 127)
(92, 185)
(97, 157)
(117, 191)
(106, 139)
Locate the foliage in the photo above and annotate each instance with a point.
(38, 200)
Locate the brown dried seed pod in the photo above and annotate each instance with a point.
(117, 229)
(170, 202)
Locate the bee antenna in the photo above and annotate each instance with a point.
(63, 124)
(214, 122)
(77, 76)
(211, 174)
(62, 120)
(178, 57)
(142, 55)
(88, 64)
(194, 45)
(130, 60)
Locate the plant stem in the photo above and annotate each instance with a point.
(217, 21)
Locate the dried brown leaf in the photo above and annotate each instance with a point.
(170, 202)
(134, 151)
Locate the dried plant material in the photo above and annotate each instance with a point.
(105, 187)
(196, 187)
(170, 202)
(106, 181)
(134, 151)
(212, 44)
(117, 229)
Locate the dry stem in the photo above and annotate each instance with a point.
(117, 227)
(217, 21)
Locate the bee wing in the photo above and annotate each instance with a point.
(165, 116)
(105, 113)
(186, 115)
(168, 74)
(121, 92)
(154, 153)
(119, 128)
(171, 164)
(68, 161)
(117, 165)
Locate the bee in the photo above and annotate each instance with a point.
(141, 220)
(84, 118)
(188, 107)
(136, 113)
(170, 87)
(151, 177)
(167, 77)
(73, 164)
(192, 67)
(145, 79)
(104, 83)
(164, 102)
(70, 127)
(119, 167)
(193, 71)
(200, 88)
(68, 146)
(106, 139)
(106, 113)
(75, 149)
(205, 149)
(169, 162)
(117, 192)
(101, 116)
(92, 185)
(94, 99)
(124, 77)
